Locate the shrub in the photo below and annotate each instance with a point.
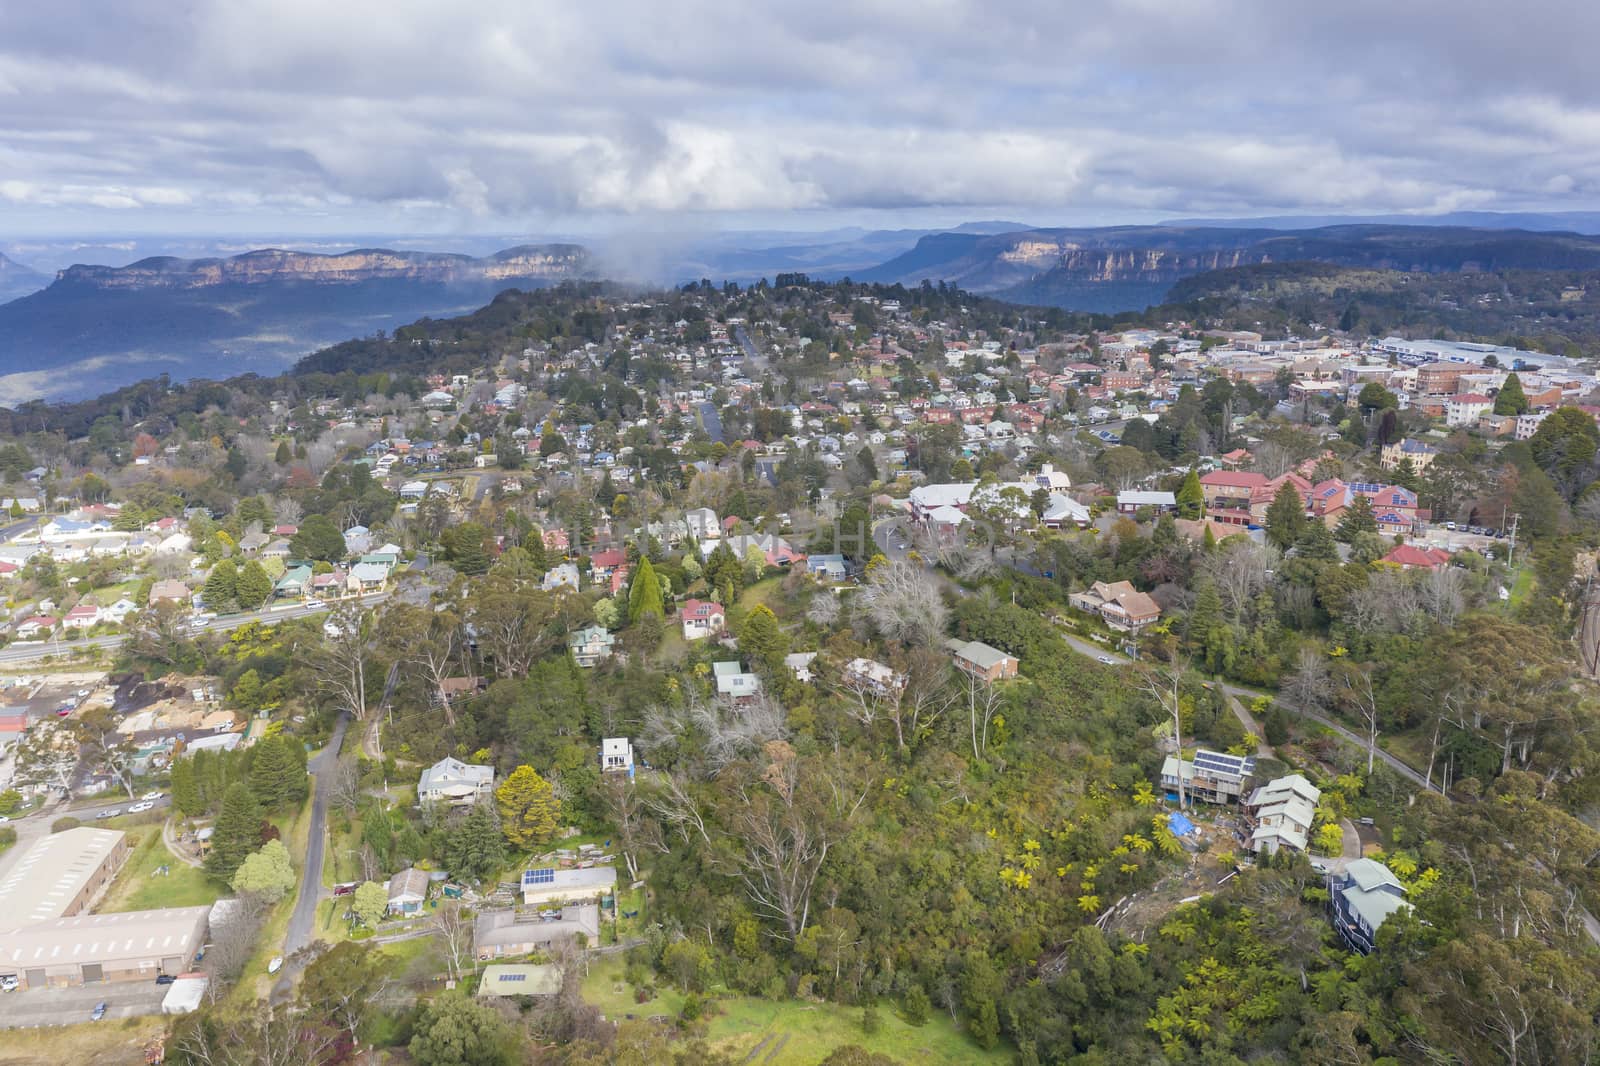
(61, 825)
(8, 836)
(916, 1006)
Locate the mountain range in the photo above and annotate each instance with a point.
(95, 327)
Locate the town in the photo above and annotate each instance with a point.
(684, 673)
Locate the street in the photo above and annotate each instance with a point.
(304, 917)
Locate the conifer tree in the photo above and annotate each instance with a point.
(1191, 498)
(236, 833)
(644, 592)
(529, 810)
(1286, 517)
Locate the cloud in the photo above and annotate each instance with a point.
(507, 112)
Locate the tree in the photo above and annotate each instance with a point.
(1286, 517)
(267, 874)
(1511, 400)
(340, 661)
(284, 455)
(1357, 518)
(644, 592)
(473, 846)
(318, 539)
(1191, 498)
(1316, 542)
(343, 983)
(253, 587)
(1374, 397)
(185, 789)
(529, 810)
(277, 777)
(369, 902)
(1564, 447)
(221, 587)
(762, 640)
(236, 833)
(902, 599)
(454, 927)
(452, 1030)
(465, 548)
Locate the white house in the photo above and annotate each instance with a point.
(703, 523)
(1464, 409)
(455, 782)
(616, 755)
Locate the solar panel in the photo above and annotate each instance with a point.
(539, 877)
(513, 977)
(1216, 762)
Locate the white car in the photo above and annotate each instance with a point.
(1105, 660)
(140, 808)
(8, 983)
(154, 795)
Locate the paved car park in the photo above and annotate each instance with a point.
(31, 1008)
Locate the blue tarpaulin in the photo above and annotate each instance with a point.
(1179, 824)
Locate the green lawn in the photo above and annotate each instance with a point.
(138, 887)
(737, 1024)
(762, 592)
(1521, 588)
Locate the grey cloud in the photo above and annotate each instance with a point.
(502, 112)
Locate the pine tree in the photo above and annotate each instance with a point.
(1405, 475)
(276, 776)
(1511, 400)
(283, 455)
(1191, 498)
(1358, 518)
(221, 586)
(644, 592)
(1316, 542)
(253, 586)
(1286, 517)
(763, 641)
(236, 833)
(529, 810)
(474, 847)
(185, 789)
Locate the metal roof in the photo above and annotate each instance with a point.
(45, 880)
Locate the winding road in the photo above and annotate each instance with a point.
(304, 917)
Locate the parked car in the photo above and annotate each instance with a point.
(1105, 660)
(8, 983)
(98, 1012)
(109, 812)
(154, 794)
(165, 978)
(140, 808)
(276, 964)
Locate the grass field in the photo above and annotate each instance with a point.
(138, 887)
(111, 1043)
(806, 1031)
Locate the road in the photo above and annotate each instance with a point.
(22, 653)
(304, 917)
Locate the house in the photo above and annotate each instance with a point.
(590, 644)
(1231, 489)
(831, 567)
(454, 782)
(357, 540)
(1211, 776)
(251, 543)
(83, 616)
(603, 564)
(408, 891)
(701, 618)
(1061, 511)
(562, 575)
(1413, 557)
(455, 688)
(702, 523)
(1361, 899)
(542, 980)
(548, 885)
(799, 663)
(169, 591)
(36, 626)
(616, 755)
(977, 659)
(873, 676)
(330, 585)
(367, 578)
(1119, 604)
(294, 583)
(1396, 452)
(1284, 810)
(118, 612)
(1129, 502)
(501, 934)
(1465, 408)
(734, 682)
(925, 499)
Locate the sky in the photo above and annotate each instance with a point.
(328, 118)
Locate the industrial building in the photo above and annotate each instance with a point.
(61, 875)
(91, 948)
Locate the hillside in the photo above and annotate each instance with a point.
(1130, 267)
(96, 327)
(17, 280)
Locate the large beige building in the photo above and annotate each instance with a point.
(61, 875)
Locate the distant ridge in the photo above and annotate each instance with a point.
(17, 280)
(96, 327)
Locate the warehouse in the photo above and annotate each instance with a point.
(91, 948)
(61, 875)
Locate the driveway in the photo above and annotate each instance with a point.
(304, 917)
(28, 1008)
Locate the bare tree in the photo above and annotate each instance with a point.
(1309, 685)
(1241, 572)
(626, 810)
(1387, 603)
(679, 809)
(983, 703)
(344, 786)
(269, 1036)
(1444, 593)
(234, 929)
(96, 732)
(823, 609)
(1356, 688)
(340, 663)
(903, 602)
(454, 928)
(160, 633)
(1164, 683)
(724, 730)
